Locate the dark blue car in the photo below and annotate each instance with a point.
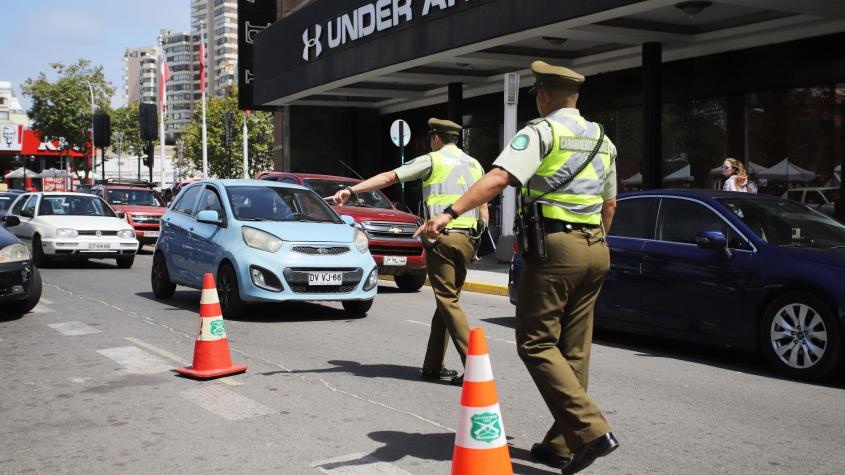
(738, 270)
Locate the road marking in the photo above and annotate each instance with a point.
(489, 337)
(42, 309)
(354, 464)
(226, 403)
(176, 358)
(418, 323)
(136, 360)
(45, 301)
(73, 328)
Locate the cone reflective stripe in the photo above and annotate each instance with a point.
(211, 350)
(480, 443)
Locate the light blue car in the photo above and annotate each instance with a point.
(265, 242)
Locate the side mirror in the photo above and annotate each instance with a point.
(120, 214)
(348, 219)
(713, 240)
(11, 221)
(209, 216)
(26, 213)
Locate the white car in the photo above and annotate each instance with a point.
(72, 225)
(820, 198)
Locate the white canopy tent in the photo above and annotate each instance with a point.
(786, 171)
(682, 175)
(752, 167)
(636, 179)
(18, 174)
(53, 173)
(837, 172)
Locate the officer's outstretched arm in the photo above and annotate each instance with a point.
(382, 180)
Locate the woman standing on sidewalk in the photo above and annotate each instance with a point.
(736, 178)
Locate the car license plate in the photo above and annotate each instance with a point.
(325, 278)
(99, 245)
(395, 260)
(154, 234)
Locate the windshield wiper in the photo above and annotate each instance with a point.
(253, 219)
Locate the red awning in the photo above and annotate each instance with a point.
(32, 145)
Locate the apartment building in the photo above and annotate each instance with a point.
(179, 48)
(140, 75)
(220, 18)
(11, 111)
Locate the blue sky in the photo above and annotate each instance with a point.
(35, 33)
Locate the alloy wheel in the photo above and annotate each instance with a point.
(798, 336)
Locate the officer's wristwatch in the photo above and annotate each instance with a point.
(451, 212)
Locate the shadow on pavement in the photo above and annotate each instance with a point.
(656, 347)
(407, 373)
(10, 317)
(397, 445)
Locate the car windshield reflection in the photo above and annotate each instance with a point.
(367, 199)
(133, 197)
(785, 223)
(73, 205)
(265, 203)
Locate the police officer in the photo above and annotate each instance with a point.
(557, 294)
(447, 172)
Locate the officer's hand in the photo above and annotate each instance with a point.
(341, 197)
(431, 228)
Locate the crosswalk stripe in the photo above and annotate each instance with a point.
(42, 309)
(358, 464)
(73, 328)
(226, 403)
(136, 360)
(143, 344)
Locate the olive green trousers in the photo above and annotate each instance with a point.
(554, 332)
(446, 265)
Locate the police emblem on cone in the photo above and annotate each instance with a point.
(211, 350)
(480, 443)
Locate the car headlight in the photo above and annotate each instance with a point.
(126, 233)
(361, 241)
(259, 239)
(14, 253)
(66, 233)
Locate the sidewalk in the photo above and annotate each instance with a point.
(487, 276)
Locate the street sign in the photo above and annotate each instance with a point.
(394, 133)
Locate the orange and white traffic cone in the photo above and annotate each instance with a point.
(211, 351)
(480, 443)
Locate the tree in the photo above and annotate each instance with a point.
(126, 119)
(61, 110)
(260, 126)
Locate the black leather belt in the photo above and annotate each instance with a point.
(557, 226)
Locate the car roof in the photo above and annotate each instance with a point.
(697, 193)
(241, 182)
(814, 188)
(62, 193)
(313, 176)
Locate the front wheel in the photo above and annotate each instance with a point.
(163, 288)
(410, 282)
(20, 307)
(38, 257)
(227, 290)
(357, 308)
(800, 336)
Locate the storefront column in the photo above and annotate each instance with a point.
(652, 156)
(456, 102)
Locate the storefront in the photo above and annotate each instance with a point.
(679, 86)
(27, 162)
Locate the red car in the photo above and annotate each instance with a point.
(390, 230)
(141, 204)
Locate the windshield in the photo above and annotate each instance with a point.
(787, 223)
(267, 203)
(6, 201)
(832, 194)
(73, 205)
(368, 199)
(133, 197)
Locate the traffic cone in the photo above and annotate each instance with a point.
(480, 443)
(211, 351)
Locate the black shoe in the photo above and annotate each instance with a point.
(584, 456)
(428, 375)
(457, 381)
(545, 454)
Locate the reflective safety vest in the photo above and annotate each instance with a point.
(452, 173)
(580, 201)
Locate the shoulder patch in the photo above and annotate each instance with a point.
(520, 142)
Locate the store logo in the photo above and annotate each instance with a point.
(312, 42)
(252, 30)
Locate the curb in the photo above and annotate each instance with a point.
(475, 287)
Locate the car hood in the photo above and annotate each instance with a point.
(139, 209)
(103, 223)
(306, 232)
(376, 214)
(6, 237)
(833, 257)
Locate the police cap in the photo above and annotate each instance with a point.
(556, 77)
(443, 126)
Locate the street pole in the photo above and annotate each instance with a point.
(93, 149)
(180, 150)
(246, 148)
(228, 117)
(119, 136)
(402, 162)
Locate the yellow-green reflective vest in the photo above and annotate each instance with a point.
(580, 201)
(452, 173)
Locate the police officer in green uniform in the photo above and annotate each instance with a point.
(447, 173)
(557, 293)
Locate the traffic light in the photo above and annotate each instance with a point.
(148, 155)
(102, 130)
(148, 115)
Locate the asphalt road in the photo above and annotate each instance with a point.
(88, 387)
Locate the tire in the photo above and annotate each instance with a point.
(163, 288)
(410, 282)
(228, 292)
(39, 259)
(800, 337)
(20, 307)
(125, 262)
(357, 308)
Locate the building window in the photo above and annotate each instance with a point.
(4, 115)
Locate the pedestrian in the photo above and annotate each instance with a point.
(735, 177)
(565, 165)
(446, 173)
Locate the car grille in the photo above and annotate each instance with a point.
(145, 219)
(320, 250)
(388, 230)
(94, 233)
(396, 250)
(297, 279)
